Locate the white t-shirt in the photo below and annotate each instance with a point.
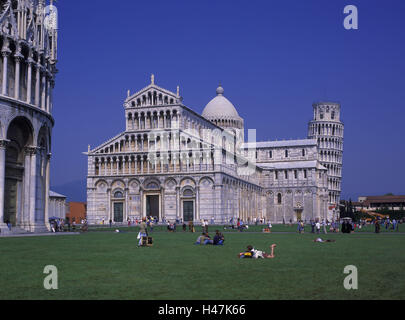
(257, 254)
(318, 225)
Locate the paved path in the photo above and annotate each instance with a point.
(51, 234)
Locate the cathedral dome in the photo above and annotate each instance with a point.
(220, 108)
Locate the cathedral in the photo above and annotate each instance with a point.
(174, 163)
(28, 42)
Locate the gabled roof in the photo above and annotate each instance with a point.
(53, 194)
(106, 144)
(152, 87)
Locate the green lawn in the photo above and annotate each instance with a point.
(107, 265)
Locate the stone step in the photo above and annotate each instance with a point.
(18, 230)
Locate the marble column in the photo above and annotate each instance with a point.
(141, 204)
(126, 204)
(5, 53)
(43, 91)
(197, 203)
(3, 147)
(33, 185)
(178, 213)
(18, 57)
(48, 96)
(29, 81)
(37, 84)
(26, 195)
(110, 217)
(47, 183)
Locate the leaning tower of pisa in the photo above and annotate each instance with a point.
(28, 46)
(327, 128)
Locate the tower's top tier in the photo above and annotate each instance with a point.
(29, 28)
(327, 111)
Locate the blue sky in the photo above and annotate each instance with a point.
(274, 59)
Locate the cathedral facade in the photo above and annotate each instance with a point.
(173, 163)
(28, 42)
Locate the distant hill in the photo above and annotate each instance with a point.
(74, 191)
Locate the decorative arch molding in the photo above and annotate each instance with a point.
(118, 193)
(187, 191)
(188, 181)
(44, 138)
(170, 183)
(206, 182)
(99, 182)
(101, 186)
(151, 184)
(118, 183)
(26, 121)
(134, 185)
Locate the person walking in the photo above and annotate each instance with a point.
(151, 223)
(377, 226)
(312, 226)
(324, 226)
(318, 227)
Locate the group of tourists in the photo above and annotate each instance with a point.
(58, 225)
(205, 239)
(389, 225)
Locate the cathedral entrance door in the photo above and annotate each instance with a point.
(299, 215)
(152, 206)
(188, 211)
(118, 212)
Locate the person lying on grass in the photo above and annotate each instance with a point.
(252, 253)
(321, 240)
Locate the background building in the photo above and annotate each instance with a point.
(174, 163)
(328, 130)
(389, 202)
(28, 42)
(77, 211)
(57, 205)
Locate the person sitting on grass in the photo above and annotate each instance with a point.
(218, 239)
(321, 240)
(200, 239)
(143, 232)
(252, 253)
(208, 240)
